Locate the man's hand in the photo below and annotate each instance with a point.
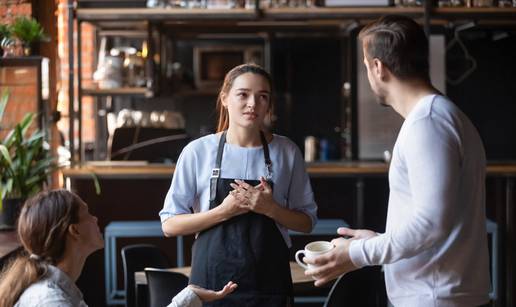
(332, 264)
(355, 234)
(336, 262)
(210, 295)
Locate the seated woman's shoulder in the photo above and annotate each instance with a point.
(43, 293)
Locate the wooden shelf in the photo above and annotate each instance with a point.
(162, 14)
(138, 17)
(138, 91)
(475, 12)
(337, 12)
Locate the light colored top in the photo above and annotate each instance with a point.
(191, 180)
(55, 289)
(186, 298)
(435, 245)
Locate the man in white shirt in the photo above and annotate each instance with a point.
(434, 250)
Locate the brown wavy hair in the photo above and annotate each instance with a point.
(42, 229)
(229, 79)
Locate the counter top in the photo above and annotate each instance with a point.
(142, 170)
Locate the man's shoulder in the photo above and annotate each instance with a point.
(437, 110)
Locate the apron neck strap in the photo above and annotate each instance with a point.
(266, 156)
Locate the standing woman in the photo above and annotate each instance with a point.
(58, 234)
(246, 188)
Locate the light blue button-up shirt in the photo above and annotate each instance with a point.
(190, 186)
(56, 289)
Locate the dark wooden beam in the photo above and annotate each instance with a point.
(45, 11)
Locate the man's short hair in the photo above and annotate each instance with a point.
(400, 44)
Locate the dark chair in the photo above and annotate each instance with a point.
(136, 258)
(164, 285)
(364, 287)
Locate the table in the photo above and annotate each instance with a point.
(299, 279)
(129, 229)
(298, 274)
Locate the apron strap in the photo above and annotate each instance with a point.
(266, 156)
(215, 173)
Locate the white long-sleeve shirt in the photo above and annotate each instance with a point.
(186, 298)
(434, 250)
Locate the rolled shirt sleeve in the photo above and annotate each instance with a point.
(181, 194)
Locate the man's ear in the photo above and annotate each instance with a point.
(73, 231)
(381, 71)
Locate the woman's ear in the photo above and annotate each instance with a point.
(73, 231)
(223, 97)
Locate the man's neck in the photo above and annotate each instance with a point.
(403, 96)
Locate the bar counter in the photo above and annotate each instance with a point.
(137, 169)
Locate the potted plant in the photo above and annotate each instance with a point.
(28, 31)
(7, 43)
(25, 164)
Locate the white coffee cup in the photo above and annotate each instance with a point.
(313, 249)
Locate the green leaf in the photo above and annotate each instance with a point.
(23, 125)
(4, 97)
(26, 122)
(27, 30)
(5, 154)
(96, 183)
(36, 136)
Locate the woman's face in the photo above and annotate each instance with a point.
(248, 101)
(88, 229)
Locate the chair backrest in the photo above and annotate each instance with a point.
(164, 285)
(364, 287)
(136, 258)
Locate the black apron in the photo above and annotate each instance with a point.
(247, 249)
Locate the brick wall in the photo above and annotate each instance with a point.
(9, 10)
(20, 83)
(87, 62)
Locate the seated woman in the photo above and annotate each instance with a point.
(58, 234)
